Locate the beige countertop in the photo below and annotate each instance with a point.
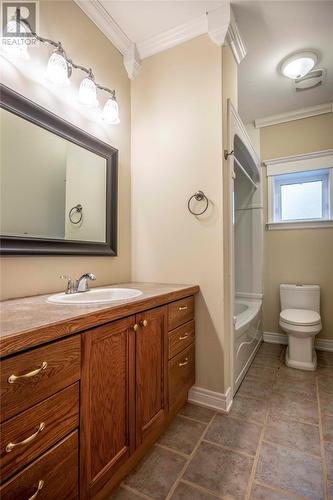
(31, 321)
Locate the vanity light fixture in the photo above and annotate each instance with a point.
(59, 70)
(298, 64)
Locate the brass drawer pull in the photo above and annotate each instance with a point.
(11, 446)
(144, 322)
(183, 337)
(182, 308)
(135, 327)
(12, 378)
(184, 363)
(39, 487)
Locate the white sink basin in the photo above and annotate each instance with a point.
(95, 296)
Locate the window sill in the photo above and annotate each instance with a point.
(304, 224)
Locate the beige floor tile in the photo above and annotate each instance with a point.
(327, 422)
(185, 491)
(123, 494)
(329, 459)
(325, 358)
(290, 387)
(297, 407)
(263, 359)
(326, 402)
(293, 374)
(292, 434)
(270, 349)
(182, 435)
(290, 470)
(249, 409)
(260, 492)
(233, 433)
(156, 473)
(197, 412)
(219, 470)
(260, 389)
(262, 372)
(325, 379)
(330, 491)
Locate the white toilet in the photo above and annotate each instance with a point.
(300, 319)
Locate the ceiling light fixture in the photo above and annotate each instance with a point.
(59, 70)
(298, 64)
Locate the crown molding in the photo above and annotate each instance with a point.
(235, 40)
(298, 114)
(173, 37)
(132, 61)
(218, 22)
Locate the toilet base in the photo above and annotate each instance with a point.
(302, 365)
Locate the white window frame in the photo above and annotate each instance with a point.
(319, 160)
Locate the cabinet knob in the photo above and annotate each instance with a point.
(135, 327)
(143, 322)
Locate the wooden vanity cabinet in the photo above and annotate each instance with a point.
(107, 422)
(151, 371)
(93, 403)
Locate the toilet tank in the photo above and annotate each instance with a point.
(300, 297)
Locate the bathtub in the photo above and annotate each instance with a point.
(247, 336)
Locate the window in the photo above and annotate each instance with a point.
(301, 196)
(300, 191)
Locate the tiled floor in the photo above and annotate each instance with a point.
(276, 443)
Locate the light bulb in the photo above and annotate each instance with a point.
(110, 112)
(87, 92)
(15, 46)
(57, 69)
(298, 65)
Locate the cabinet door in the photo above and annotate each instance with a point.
(107, 402)
(151, 371)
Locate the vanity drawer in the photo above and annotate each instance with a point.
(180, 338)
(45, 424)
(54, 474)
(40, 373)
(181, 373)
(180, 312)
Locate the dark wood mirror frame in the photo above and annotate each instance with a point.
(23, 107)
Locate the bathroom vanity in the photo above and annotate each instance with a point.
(87, 389)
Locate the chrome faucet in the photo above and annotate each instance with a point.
(80, 285)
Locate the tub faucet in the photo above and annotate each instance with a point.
(80, 285)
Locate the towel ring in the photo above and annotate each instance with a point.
(198, 196)
(78, 209)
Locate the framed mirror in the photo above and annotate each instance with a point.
(58, 184)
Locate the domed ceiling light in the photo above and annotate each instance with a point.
(298, 64)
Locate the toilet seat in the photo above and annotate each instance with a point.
(300, 317)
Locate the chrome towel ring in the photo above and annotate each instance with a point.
(78, 209)
(198, 196)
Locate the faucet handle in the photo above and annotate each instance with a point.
(70, 283)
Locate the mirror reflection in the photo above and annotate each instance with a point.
(50, 187)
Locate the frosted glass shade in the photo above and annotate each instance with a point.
(57, 69)
(298, 65)
(111, 112)
(87, 92)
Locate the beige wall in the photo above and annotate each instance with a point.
(176, 150)
(304, 255)
(88, 46)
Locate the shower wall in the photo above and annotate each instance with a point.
(248, 220)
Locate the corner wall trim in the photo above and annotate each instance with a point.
(298, 114)
(280, 338)
(218, 401)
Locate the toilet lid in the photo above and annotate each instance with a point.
(300, 317)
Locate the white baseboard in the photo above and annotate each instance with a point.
(218, 401)
(280, 338)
